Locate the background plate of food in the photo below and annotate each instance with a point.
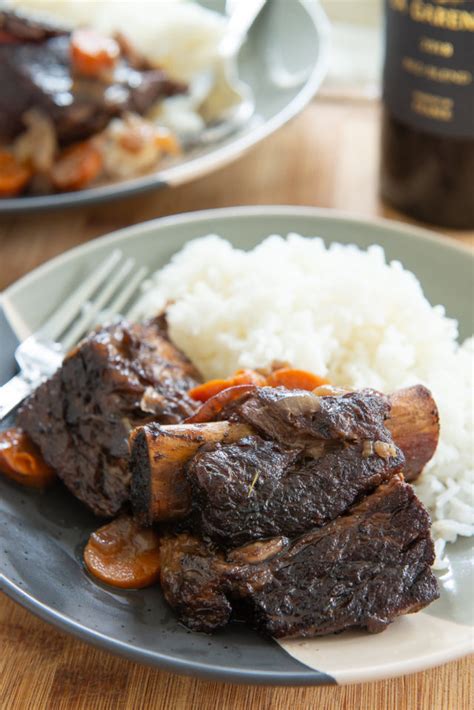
(356, 307)
(105, 99)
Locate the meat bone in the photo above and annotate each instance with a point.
(159, 454)
(160, 491)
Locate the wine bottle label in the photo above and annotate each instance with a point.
(429, 65)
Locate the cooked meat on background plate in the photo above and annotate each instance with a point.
(80, 101)
(78, 79)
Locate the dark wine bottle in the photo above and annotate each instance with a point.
(427, 149)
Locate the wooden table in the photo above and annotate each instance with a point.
(327, 157)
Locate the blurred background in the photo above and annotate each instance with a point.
(356, 60)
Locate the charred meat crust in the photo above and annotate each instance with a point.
(364, 549)
(292, 416)
(305, 466)
(140, 493)
(361, 570)
(300, 461)
(256, 489)
(119, 377)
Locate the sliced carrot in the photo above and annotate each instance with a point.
(21, 460)
(124, 554)
(13, 175)
(136, 134)
(208, 389)
(92, 53)
(77, 166)
(294, 379)
(216, 394)
(241, 377)
(209, 410)
(167, 141)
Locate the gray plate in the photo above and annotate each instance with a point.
(42, 535)
(284, 75)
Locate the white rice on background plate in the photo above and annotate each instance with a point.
(341, 312)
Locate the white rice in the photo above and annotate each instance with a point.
(341, 312)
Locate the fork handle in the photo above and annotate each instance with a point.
(241, 16)
(12, 393)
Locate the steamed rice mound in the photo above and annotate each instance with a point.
(340, 312)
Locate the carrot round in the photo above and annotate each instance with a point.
(209, 410)
(294, 379)
(92, 54)
(77, 166)
(124, 554)
(216, 394)
(241, 377)
(167, 141)
(13, 175)
(21, 460)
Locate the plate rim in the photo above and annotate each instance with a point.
(325, 213)
(307, 676)
(157, 659)
(189, 170)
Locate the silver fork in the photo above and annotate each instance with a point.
(109, 287)
(230, 103)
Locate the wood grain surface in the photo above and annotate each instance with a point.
(326, 157)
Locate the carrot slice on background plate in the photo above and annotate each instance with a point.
(13, 175)
(167, 141)
(92, 53)
(77, 166)
(21, 460)
(124, 554)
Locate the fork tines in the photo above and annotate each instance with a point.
(109, 287)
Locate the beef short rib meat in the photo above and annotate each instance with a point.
(302, 523)
(295, 459)
(296, 417)
(36, 71)
(312, 458)
(117, 378)
(363, 569)
(255, 489)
